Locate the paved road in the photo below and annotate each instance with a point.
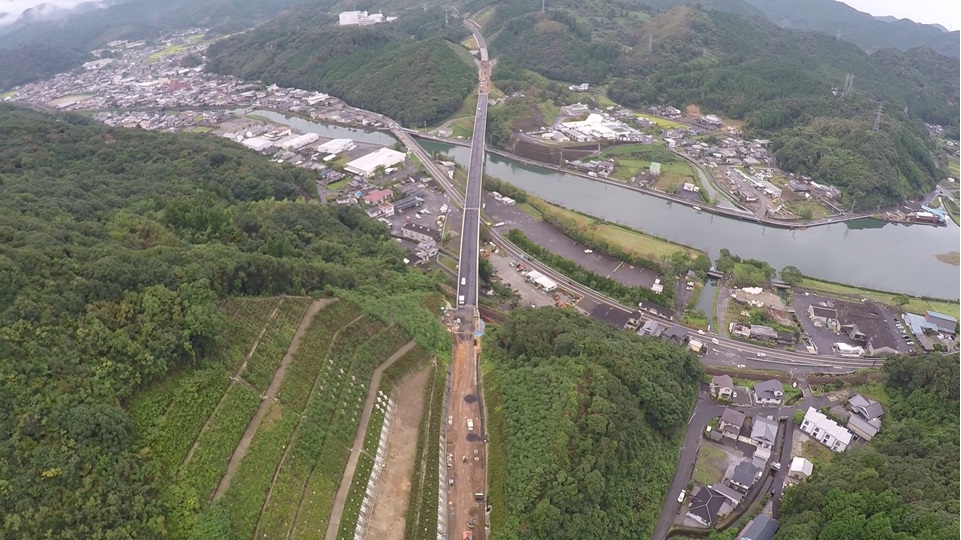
(466, 443)
(470, 232)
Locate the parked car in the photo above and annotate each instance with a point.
(680, 498)
(588, 251)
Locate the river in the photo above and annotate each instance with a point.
(867, 253)
(329, 131)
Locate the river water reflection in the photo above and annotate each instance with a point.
(866, 252)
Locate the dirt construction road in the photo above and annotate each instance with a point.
(393, 491)
(466, 449)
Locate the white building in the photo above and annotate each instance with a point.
(258, 144)
(362, 18)
(800, 468)
(383, 158)
(825, 430)
(336, 146)
(296, 142)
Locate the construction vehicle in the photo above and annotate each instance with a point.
(468, 535)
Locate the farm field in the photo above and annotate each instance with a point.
(266, 358)
(323, 481)
(298, 444)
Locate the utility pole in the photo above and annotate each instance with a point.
(877, 119)
(838, 36)
(446, 18)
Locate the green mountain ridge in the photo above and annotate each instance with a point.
(380, 68)
(835, 19)
(778, 81)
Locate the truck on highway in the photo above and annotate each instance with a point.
(470, 424)
(460, 300)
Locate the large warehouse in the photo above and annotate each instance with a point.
(366, 165)
(336, 146)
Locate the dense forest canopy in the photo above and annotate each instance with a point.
(115, 247)
(777, 81)
(904, 484)
(594, 417)
(379, 68)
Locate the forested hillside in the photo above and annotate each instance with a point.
(116, 247)
(777, 81)
(865, 31)
(904, 484)
(591, 418)
(42, 49)
(378, 68)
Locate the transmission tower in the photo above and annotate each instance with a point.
(650, 44)
(838, 36)
(446, 18)
(543, 6)
(848, 84)
(877, 119)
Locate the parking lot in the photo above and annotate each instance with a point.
(530, 295)
(428, 212)
(824, 338)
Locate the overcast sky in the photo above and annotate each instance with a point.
(944, 12)
(11, 9)
(947, 13)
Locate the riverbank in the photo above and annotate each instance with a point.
(734, 213)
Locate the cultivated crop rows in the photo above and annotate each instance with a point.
(247, 317)
(273, 345)
(169, 416)
(375, 446)
(286, 492)
(250, 484)
(252, 480)
(323, 481)
(208, 463)
(189, 401)
(309, 360)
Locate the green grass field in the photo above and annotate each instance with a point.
(462, 127)
(916, 305)
(954, 167)
(807, 209)
(661, 122)
(174, 49)
(628, 240)
(711, 465)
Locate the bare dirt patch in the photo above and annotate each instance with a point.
(693, 110)
(387, 517)
(951, 257)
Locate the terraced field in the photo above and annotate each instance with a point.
(286, 457)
